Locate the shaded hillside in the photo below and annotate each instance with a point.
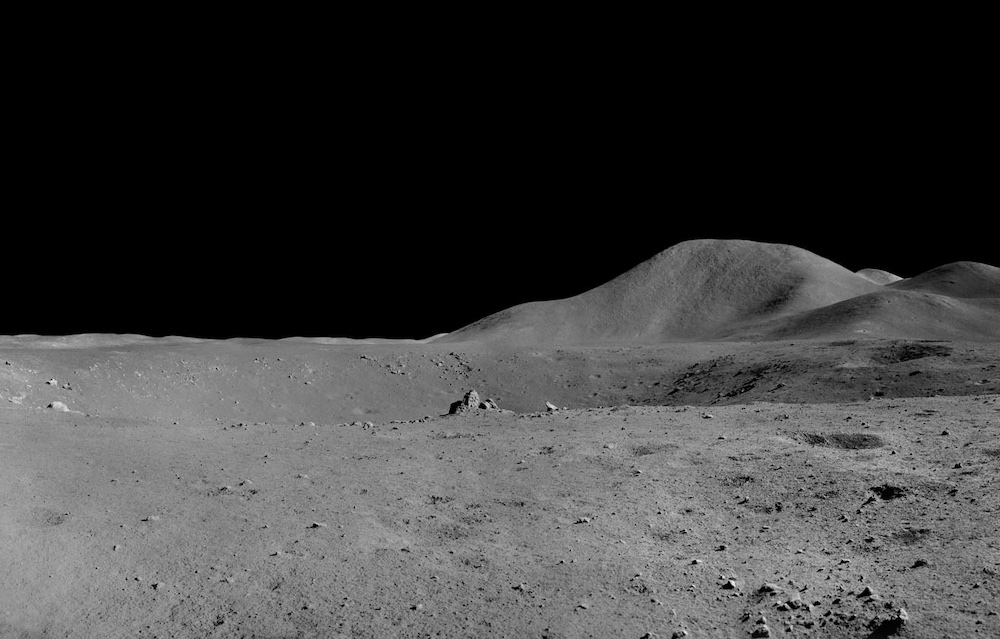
(959, 279)
(699, 289)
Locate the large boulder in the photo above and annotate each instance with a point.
(472, 402)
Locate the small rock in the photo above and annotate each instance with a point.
(761, 631)
(729, 585)
(549, 406)
(771, 588)
(159, 585)
(695, 562)
(152, 518)
(583, 604)
(679, 634)
(582, 520)
(707, 416)
(52, 382)
(317, 524)
(59, 406)
(867, 592)
(958, 465)
(945, 432)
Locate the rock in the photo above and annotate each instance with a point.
(679, 634)
(771, 588)
(761, 631)
(159, 585)
(52, 382)
(59, 406)
(549, 406)
(729, 585)
(317, 524)
(469, 402)
(488, 404)
(867, 592)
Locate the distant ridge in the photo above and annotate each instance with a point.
(958, 279)
(700, 289)
(878, 276)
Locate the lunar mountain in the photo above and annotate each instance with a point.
(737, 290)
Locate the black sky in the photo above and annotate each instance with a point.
(423, 193)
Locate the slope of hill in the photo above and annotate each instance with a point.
(878, 276)
(890, 313)
(958, 279)
(699, 289)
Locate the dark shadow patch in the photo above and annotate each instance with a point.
(651, 449)
(911, 535)
(908, 351)
(847, 441)
(888, 491)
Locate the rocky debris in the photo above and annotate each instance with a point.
(471, 402)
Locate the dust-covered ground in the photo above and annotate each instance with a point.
(284, 489)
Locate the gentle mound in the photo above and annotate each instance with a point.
(701, 289)
(959, 279)
(878, 276)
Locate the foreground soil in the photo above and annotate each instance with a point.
(181, 494)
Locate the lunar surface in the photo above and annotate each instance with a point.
(733, 439)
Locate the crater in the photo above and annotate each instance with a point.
(848, 441)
